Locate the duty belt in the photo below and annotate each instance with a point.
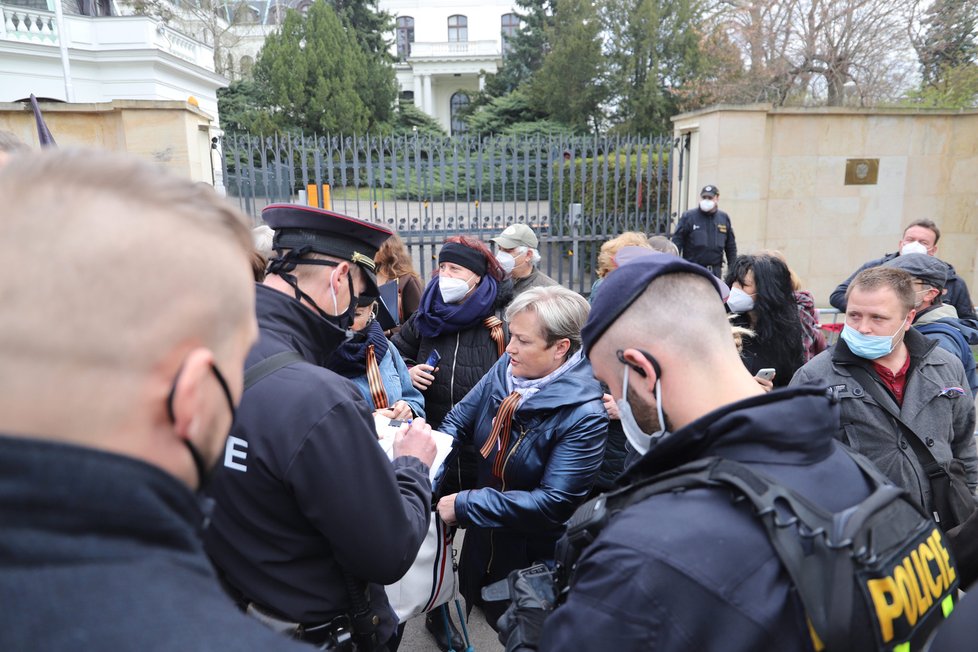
(336, 634)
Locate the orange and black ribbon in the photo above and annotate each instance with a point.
(495, 326)
(499, 437)
(376, 383)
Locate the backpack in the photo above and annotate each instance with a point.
(947, 328)
(876, 576)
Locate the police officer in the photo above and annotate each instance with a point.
(694, 569)
(705, 233)
(120, 365)
(311, 518)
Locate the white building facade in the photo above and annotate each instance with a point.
(108, 57)
(444, 48)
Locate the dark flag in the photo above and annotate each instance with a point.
(43, 133)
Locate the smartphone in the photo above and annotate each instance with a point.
(766, 373)
(433, 359)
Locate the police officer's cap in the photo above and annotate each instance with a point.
(624, 285)
(329, 233)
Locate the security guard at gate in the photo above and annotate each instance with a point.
(704, 234)
(311, 518)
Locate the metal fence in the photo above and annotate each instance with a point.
(575, 192)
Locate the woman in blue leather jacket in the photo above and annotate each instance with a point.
(539, 425)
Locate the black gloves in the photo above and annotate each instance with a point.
(532, 599)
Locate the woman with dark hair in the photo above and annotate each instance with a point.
(394, 263)
(762, 297)
(457, 318)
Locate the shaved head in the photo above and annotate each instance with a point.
(681, 313)
(112, 267)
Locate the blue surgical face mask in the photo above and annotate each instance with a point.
(870, 347)
(638, 438)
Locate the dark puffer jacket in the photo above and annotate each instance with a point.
(466, 356)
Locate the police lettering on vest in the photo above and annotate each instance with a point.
(921, 576)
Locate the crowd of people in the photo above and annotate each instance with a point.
(189, 456)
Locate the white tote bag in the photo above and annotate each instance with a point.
(431, 580)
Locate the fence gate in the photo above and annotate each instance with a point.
(576, 192)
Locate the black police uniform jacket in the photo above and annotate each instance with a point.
(305, 491)
(102, 552)
(694, 570)
(704, 238)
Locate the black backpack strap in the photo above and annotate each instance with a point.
(816, 548)
(270, 365)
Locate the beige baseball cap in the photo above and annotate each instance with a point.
(517, 235)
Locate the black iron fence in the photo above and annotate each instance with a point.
(575, 192)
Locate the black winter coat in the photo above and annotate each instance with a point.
(705, 238)
(103, 552)
(957, 290)
(694, 569)
(305, 491)
(466, 356)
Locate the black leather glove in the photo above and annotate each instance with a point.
(531, 593)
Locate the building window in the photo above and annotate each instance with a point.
(405, 37)
(406, 97)
(510, 24)
(458, 29)
(247, 64)
(460, 100)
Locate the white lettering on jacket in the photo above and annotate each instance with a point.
(236, 449)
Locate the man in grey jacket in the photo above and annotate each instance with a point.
(922, 384)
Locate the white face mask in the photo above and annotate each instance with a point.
(740, 301)
(506, 261)
(639, 440)
(707, 205)
(452, 290)
(913, 248)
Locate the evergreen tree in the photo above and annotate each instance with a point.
(526, 49)
(569, 86)
(369, 22)
(315, 75)
(654, 49)
(948, 41)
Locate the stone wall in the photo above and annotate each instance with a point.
(782, 177)
(174, 134)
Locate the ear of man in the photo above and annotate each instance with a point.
(189, 403)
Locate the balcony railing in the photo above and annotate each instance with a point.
(101, 34)
(455, 49)
(28, 25)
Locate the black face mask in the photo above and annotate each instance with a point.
(204, 471)
(339, 326)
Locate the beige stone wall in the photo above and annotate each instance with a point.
(173, 134)
(781, 174)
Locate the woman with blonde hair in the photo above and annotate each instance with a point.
(394, 262)
(606, 256)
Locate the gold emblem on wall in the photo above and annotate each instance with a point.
(862, 171)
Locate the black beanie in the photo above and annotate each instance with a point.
(469, 258)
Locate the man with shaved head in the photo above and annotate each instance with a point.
(693, 568)
(128, 309)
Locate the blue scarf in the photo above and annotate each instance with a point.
(435, 317)
(350, 359)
